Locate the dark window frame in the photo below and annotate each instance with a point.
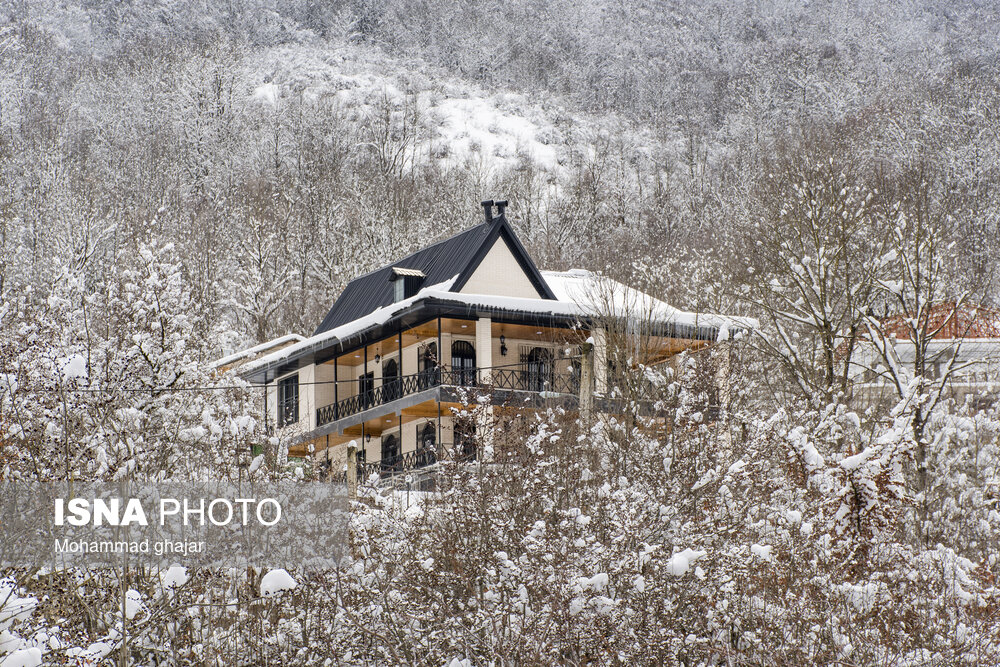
(366, 389)
(537, 368)
(392, 383)
(463, 362)
(391, 452)
(288, 400)
(426, 452)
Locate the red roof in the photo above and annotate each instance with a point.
(967, 321)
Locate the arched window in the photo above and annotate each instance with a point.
(366, 389)
(538, 369)
(463, 362)
(427, 361)
(427, 444)
(390, 452)
(428, 357)
(465, 441)
(390, 380)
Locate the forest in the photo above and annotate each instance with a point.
(182, 180)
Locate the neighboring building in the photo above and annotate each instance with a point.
(393, 357)
(965, 339)
(237, 359)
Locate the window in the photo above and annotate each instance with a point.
(427, 366)
(391, 387)
(405, 282)
(537, 369)
(288, 401)
(465, 441)
(426, 445)
(390, 453)
(463, 363)
(428, 357)
(366, 389)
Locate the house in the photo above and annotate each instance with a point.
(236, 359)
(958, 349)
(398, 352)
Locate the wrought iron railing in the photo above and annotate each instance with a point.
(518, 378)
(533, 379)
(403, 463)
(420, 458)
(395, 465)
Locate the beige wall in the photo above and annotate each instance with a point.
(373, 450)
(499, 274)
(305, 402)
(323, 392)
(314, 396)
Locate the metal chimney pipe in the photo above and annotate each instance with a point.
(488, 209)
(501, 205)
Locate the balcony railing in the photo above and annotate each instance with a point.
(517, 378)
(403, 463)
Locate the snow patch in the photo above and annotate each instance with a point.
(266, 94)
(174, 577)
(276, 581)
(598, 582)
(25, 657)
(255, 465)
(852, 463)
(74, 367)
(680, 563)
(133, 603)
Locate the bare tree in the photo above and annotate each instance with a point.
(812, 272)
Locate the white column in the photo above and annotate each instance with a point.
(719, 354)
(485, 426)
(600, 360)
(272, 403)
(484, 348)
(307, 396)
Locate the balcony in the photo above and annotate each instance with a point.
(397, 466)
(537, 378)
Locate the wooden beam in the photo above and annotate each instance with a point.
(433, 409)
(422, 410)
(338, 440)
(302, 448)
(360, 430)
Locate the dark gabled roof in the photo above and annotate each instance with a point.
(459, 256)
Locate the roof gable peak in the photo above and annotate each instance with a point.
(457, 256)
(500, 228)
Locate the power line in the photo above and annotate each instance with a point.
(249, 385)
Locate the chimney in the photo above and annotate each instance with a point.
(501, 205)
(488, 209)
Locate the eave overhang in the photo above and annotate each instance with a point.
(430, 308)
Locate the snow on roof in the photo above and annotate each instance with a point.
(579, 293)
(604, 296)
(345, 331)
(256, 349)
(457, 255)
